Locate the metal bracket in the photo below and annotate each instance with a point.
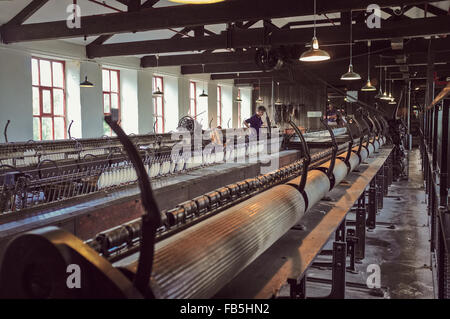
(350, 146)
(330, 169)
(306, 158)
(68, 130)
(5, 131)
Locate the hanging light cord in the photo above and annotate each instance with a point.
(385, 76)
(381, 76)
(351, 38)
(359, 102)
(368, 61)
(314, 18)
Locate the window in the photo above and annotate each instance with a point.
(158, 103)
(193, 99)
(111, 95)
(219, 106)
(49, 99)
(239, 109)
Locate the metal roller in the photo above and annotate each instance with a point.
(371, 149)
(354, 161)
(376, 145)
(316, 187)
(364, 154)
(197, 262)
(339, 171)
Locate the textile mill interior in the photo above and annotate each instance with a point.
(224, 150)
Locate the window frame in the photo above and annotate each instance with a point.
(155, 104)
(50, 88)
(110, 92)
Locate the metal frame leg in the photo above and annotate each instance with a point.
(360, 228)
(372, 207)
(297, 288)
(339, 270)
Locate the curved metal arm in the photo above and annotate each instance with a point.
(350, 143)
(151, 220)
(363, 118)
(210, 122)
(375, 127)
(306, 154)
(5, 131)
(68, 130)
(154, 126)
(369, 134)
(361, 133)
(335, 148)
(44, 161)
(228, 124)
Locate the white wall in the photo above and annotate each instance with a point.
(85, 105)
(246, 104)
(145, 102)
(227, 106)
(171, 109)
(73, 98)
(91, 101)
(129, 101)
(16, 95)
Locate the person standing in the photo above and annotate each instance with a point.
(256, 120)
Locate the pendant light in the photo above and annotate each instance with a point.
(203, 95)
(158, 91)
(314, 54)
(238, 98)
(196, 1)
(392, 100)
(350, 75)
(385, 97)
(380, 91)
(278, 101)
(86, 83)
(259, 100)
(368, 87)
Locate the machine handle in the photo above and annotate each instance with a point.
(307, 157)
(361, 133)
(68, 130)
(350, 143)
(334, 147)
(5, 131)
(151, 220)
(375, 127)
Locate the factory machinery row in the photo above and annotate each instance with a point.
(142, 223)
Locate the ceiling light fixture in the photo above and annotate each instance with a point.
(368, 87)
(278, 101)
(158, 91)
(203, 95)
(86, 83)
(380, 91)
(385, 97)
(314, 54)
(350, 75)
(259, 100)
(392, 99)
(238, 98)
